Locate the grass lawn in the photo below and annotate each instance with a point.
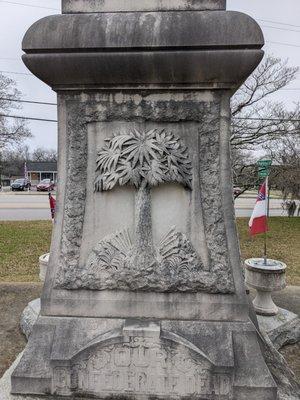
(21, 244)
(283, 244)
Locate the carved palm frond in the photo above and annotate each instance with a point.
(153, 157)
(154, 173)
(128, 175)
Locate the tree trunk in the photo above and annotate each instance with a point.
(143, 248)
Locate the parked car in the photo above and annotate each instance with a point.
(20, 184)
(46, 185)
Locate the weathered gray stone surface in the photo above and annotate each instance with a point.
(130, 49)
(74, 6)
(282, 328)
(172, 264)
(144, 132)
(5, 383)
(124, 356)
(29, 316)
(287, 392)
(205, 227)
(288, 387)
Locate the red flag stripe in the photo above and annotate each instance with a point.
(259, 225)
(258, 220)
(52, 202)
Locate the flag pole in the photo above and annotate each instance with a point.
(267, 214)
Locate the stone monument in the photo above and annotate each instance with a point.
(144, 297)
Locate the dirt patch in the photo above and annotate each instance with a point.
(13, 299)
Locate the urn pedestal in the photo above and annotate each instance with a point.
(144, 295)
(265, 278)
(43, 265)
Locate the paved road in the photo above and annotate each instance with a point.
(33, 206)
(24, 206)
(244, 207)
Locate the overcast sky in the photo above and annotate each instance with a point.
(278, 19)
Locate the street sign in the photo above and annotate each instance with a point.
(264, 168)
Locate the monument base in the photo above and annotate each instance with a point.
(139, 359)
(29, 316)
(282, 328)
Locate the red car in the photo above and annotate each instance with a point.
(46, 185)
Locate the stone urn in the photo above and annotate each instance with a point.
(265, 279)
(43, 263)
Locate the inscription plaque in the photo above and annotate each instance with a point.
(144, 366)
(149, 366)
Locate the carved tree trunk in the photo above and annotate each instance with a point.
(143, 248)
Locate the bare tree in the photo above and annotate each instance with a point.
(12, 132)
(42, 154)
(285, 153)
(13, 160)
(244, 171)
(252, 100)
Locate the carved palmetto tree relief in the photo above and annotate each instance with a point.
(143, 160)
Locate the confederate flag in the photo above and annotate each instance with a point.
(258, 221)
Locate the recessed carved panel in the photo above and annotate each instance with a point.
(141, 365)
(196, 260)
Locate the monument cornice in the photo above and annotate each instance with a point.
(216, 49)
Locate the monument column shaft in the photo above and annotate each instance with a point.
(144, 295)
(202, 119)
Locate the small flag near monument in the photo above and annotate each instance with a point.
(25, 170)
(52, 203)
(258, 221)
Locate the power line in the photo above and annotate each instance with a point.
(284, 44)
(239, 118)
(290, 89)
(277, 22)
(57, 9)
(28, 5)
(281, 29)
(29, 118)
(33, 76)
(17, 73)
(55, 104)
(10, 59)
(28, 101)
(268, 119)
